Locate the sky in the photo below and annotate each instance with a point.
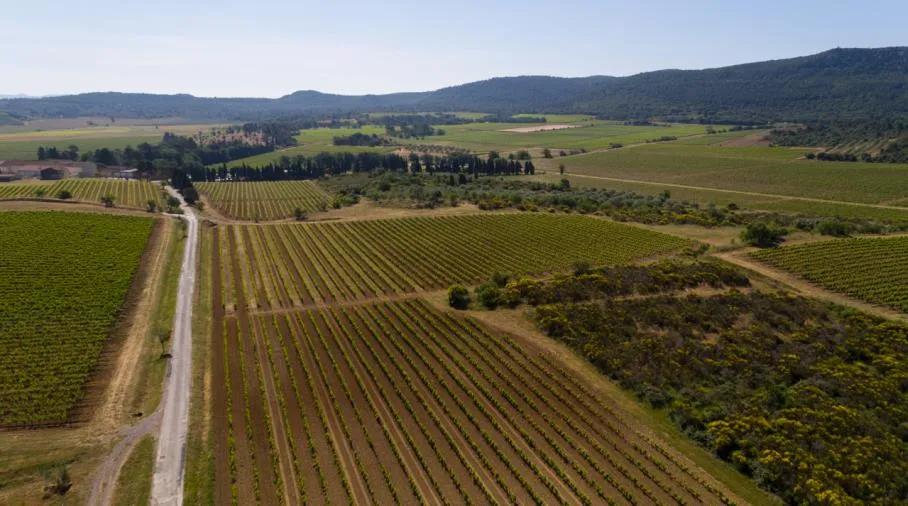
(269, 48)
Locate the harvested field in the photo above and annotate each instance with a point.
(264, 200)
(132, 194)
(294, 265)
(401, 403)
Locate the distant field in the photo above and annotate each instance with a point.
(400, 403)
(134, 194)
(874, 269)
(741, 199)
(779, 171)
(265, 200)
(314, 141)
(594, 134)
(23, 145)
(301, 264)
(63, 279)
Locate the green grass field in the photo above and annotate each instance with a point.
(23, 145)
(591, 135)
(773, 171)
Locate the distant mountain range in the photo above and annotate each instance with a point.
(839, 84)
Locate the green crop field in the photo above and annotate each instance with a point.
(265, 200)
(63, 280)
(314, 141)
(871, 269)
(773, 171)
(301, 264)
(24, 145)
(589, 135)
(133, 194)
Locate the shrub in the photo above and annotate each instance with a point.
(835, 228)
(581, 267)
(489, 295)
(64, 195)
(763, 235)
(458, 297)
(500, 279)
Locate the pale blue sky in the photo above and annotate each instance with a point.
(273, 47)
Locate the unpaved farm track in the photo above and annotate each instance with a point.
(167, 482)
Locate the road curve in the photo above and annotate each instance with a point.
(167, 481)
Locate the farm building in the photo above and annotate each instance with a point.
(128, 173)
(25, 169)
(50, 173)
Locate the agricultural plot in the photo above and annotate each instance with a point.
(874, 270)
(398, 403)
(773, 171)
(705, 196)
(293, 265)
(589, 135)
(63, 280)
(314, 141)
(264, 200)
(134, 194)
(24, 145)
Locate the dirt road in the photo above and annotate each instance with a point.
(167, 482)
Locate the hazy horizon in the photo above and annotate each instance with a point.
(223, 49)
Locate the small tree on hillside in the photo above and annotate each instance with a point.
(40, 192)
(299, 214)
(107, 200)
(64, 195)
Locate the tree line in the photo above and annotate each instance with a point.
(332, 164)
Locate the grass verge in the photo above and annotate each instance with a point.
(134, 483)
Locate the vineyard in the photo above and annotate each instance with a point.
(293, 265)
(264, 200)
(874, 270)
(399, 403)
(134, 194)
(63, 279)
(777, 171)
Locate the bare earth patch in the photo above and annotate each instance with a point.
(539, 128)
(756, 139)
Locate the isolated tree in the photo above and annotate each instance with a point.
(458, 297)
(561, 169)
(42, 154)
(299, 214)
(163, 337)
(40, 192)
(64, 195)
(546, 153)
(151, 206)
(107, 200)
(173, 204)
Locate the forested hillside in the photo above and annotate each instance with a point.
(840, 84)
